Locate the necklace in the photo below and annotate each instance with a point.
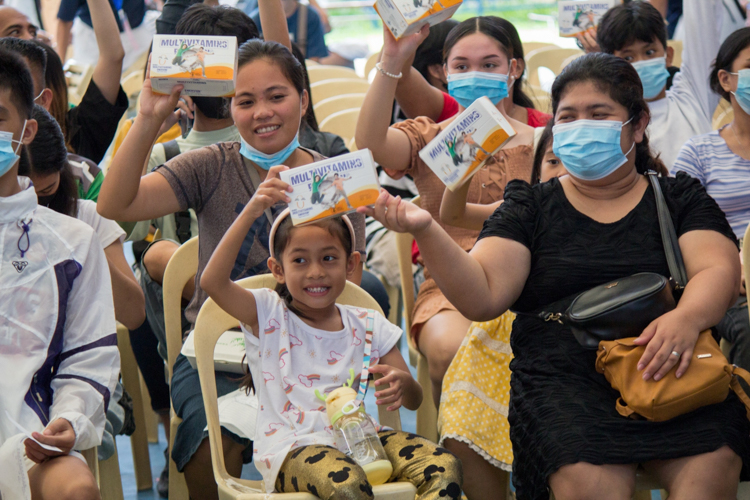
(736, 138)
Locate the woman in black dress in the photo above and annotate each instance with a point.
(562, 237)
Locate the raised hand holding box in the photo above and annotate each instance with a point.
(406, 17)
(205, 65)
(577, 16)
(459, 151)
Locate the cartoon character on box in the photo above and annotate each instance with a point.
(467, 139)
(318, 187)
(338, 184)
(584, 19)
(189, 58)
(453, 151)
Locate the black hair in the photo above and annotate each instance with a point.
(336, 227)
(35, 55)
(541, 149)
(505, 34)
(624, 24)
(279, 55)
(620, 81)
(430, 51)
(16, 78)
(310, 118)
(222, 20)
(47, 155)
(728, 53)
(54, 78)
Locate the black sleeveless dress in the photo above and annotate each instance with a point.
(561, 410)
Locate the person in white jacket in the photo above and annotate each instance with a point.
(636, 32)
(58, 346)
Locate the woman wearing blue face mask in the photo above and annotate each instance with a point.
(560, 238)
(478, 59)
(720, 160)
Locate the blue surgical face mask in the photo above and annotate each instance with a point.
(8, 154)
(264, 160)
(468, 87)
(742, 94)
(590, 149)
(654, 75)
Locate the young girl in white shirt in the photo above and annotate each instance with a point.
(308, 343)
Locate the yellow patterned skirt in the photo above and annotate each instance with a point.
(476, 392)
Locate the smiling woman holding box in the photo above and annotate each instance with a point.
(216, 181)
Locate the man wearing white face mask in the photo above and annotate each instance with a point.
(59, 363)
(636, 32)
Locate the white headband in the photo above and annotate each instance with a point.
(284, 214)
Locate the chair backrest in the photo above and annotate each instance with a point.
(547, 57)
(211, 323)
(338, 86)
(132, 84)
(181, 268)
(677, 46)
(403, 249)
(569, 60)
(529, 47)
(543, 104)
(352, 145)
(78, 78)
(323, 72)
(342, 123)
(370, 64)
(327, 107)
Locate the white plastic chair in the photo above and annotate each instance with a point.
(212, 322)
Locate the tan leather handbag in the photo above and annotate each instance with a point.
(707, 381)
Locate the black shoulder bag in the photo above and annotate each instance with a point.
(625, 307)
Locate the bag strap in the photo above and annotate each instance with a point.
(668, 236)
(365, 376)
(736, 372)
(171, 149)
(623, 409)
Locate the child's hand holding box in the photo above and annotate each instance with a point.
(332, 187)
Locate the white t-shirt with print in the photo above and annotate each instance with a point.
(295, 360)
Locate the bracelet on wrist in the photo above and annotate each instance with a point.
(389, 75)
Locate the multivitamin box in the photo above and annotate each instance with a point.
(405, 17)
(459, 151)
(332, 187)
(205, 65)
(579, 16)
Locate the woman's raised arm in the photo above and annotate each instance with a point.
(390, 147)
(482, 284)
(125, 195)
(273, 22)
